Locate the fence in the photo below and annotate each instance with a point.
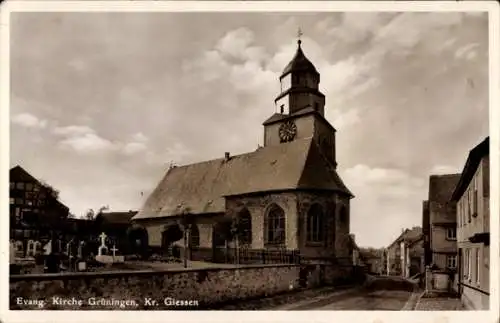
(255, 256)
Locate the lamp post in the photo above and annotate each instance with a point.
(186, 225)
(235, 235)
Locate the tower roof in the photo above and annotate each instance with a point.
(299, 63)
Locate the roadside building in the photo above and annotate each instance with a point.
(440, 229)
(36, 214)
(471, 196)
(401, 252)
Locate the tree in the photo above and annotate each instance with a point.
(89, 215)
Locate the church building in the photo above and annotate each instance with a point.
(286, 195)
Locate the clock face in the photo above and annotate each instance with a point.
(287, 131)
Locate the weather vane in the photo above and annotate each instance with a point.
(299, 35)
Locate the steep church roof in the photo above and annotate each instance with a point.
(299, 63)
(200, 188)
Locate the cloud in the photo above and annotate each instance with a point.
(132, 148)
(345, 119)
(363, 174)
(467, 52)
(444, 169)
(72, 131)
(29, 121)
(82, 139)
(136, 145)
(87, 143)
(236, 44)
(140, 137)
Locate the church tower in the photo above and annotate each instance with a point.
(300, 86)
(300, 108)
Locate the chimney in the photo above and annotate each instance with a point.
(227, 156)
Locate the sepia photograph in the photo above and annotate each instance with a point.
(266, 160)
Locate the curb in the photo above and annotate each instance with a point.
(415, 308)
(414, 299)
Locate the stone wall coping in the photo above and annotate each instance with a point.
(120, 273)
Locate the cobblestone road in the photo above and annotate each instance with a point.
(439, 304)
(381, 300)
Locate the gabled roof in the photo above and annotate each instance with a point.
(409, 236)
(471, 165)
(117, 217)
(441, 187)
(18, 173)
(299, 63)
(200, 188)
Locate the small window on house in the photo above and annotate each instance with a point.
(478, 265)
(29, 186)
(469, 264)
(451, 261)
(36, 187)
(20, 186)
(282, 108)
(475, 198)
(469, 206)
(19, 201)
(451, 234)
(12, 200)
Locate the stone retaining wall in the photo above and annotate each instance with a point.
(151, 289)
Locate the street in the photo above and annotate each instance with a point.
(382, 300)
(382, 294)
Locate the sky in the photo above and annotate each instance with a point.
(102, 103)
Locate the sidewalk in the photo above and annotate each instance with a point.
(439, 303)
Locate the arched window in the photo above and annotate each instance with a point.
(194, 236)
(275, 225)
(245, 227)
(343, 215)
(315, 224)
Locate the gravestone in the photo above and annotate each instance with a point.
(116, 258)
(102, 251)
(37, 247)
(81, 264)
(12, 252)
(30, 248)
(19, 249)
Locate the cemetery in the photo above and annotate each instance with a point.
(73, 256)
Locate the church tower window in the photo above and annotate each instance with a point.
(275, 225)
(315, 224)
